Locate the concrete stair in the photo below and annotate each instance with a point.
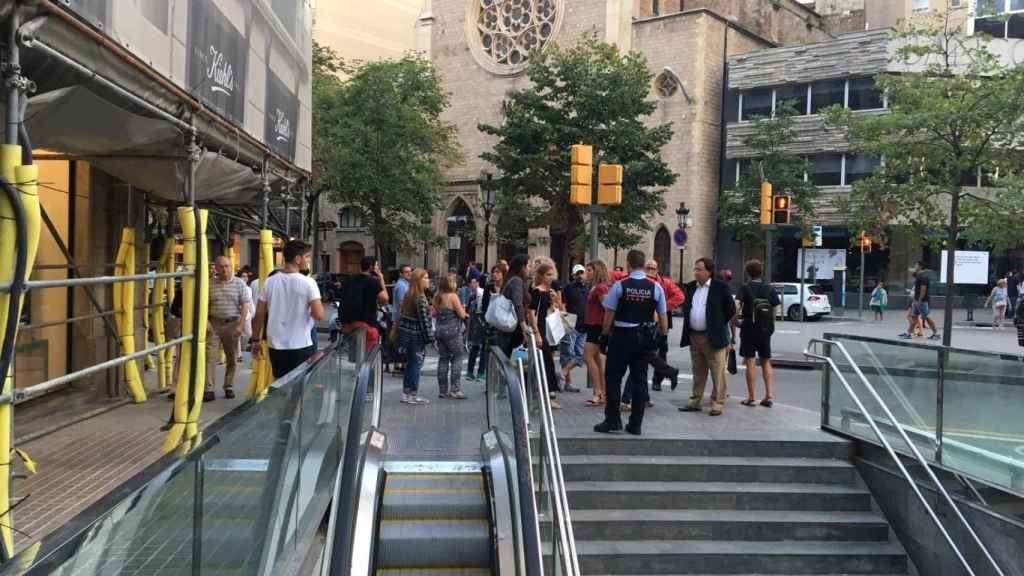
(668, 507)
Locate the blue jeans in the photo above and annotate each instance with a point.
(571, 348)
(413, 357)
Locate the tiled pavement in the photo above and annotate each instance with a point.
(79, 464)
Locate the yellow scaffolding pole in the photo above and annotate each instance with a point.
(25, 179)
(262, 377)
(168, 262)
(158, 297)
(124, 312)
(146, 295)
(186, 420)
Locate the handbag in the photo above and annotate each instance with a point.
(555, 328)
(501, 314)
(731, 367)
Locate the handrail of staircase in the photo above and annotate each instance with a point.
(811, 352)
(570, 561)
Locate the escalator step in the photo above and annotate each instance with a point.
(430, 543)
(441, 496)
(461, 480)
(434, 572)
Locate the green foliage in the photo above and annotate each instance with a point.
(958, 112)
(739, 209)
(379, 143)
(586, 94)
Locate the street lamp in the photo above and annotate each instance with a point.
(684, 221)
(456, 226)
(488, 205)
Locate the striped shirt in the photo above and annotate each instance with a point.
(226, 298)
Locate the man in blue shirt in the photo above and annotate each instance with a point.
(401, 287)
(628, 335)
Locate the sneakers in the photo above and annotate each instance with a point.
(456, 395)
(229, 394)
(209, 396)
(414, 399)
(935, 337)
(905, 336)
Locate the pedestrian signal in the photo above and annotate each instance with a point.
(780, 209)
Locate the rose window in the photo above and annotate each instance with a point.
(502, 32)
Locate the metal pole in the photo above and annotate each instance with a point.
(487, 241)
(802, 274)
(15, 82)
(315, 221)
(860, 303)
(266, 193)
(595, 246)
(302, 216)
(287, 217)
(768, 256)
(194, 154)
(197, 518)
(939, 394)
(682, 253)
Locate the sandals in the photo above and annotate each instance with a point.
(767, 402)
(749, 402)
(554, 404)
(595, 401)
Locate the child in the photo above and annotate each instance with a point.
(879, 300)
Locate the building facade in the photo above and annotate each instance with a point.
(686, 45)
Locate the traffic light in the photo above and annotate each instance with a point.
(780, 209)
(609, 184)
(582, 174)
(766, 203)
(865, 243)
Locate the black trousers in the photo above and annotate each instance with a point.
(625, 352)
(662, 369)
(284, 361)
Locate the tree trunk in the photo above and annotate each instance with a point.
(951, 237)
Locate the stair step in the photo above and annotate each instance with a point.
(664, 557)
(706, 469)
(824, 447)
(716, 495)
(728, 525)
(431, 544)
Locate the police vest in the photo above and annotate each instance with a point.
(637, 302)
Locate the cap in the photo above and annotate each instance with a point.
(578, 269)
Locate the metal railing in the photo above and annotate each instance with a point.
(811, 352)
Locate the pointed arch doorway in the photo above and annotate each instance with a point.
(663, 251)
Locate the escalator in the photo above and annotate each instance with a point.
(504, 512)
(303, 482)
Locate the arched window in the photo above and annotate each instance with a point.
(350, 218)
(666, 84)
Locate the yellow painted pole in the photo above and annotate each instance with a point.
(262, 376)
(124, 305)
(198, 384)
(146, 293)
(158, 299)
(188, 235)
(25, 179)
(170, 250)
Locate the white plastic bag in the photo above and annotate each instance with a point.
(501, 314)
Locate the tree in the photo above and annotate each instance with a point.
(956, 112)
(739, 209)
(587, 94)
(379, 144)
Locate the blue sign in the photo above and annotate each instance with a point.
(680, 237)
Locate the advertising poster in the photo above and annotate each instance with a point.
(819, 263)
(971, 267)
(282, 117)
(217, 59)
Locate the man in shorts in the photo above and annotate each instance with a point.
(920, 305)
(757, 324)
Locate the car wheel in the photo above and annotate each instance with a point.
(794, 313)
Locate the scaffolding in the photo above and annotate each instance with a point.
(22, 219)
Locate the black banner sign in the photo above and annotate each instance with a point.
(217, 59)
(282, 117)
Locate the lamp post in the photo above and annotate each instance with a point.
(488, 205)
(684, 221)
(456, 227)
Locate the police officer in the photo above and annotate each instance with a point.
(627, 336)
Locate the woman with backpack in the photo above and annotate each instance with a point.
(415, 331)
(451, 348)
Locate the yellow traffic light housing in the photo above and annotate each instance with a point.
(581, 174)
(609, 189)
(766, 203)
(780, 209)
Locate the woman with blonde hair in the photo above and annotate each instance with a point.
(415, 332)
(597, 277)
(997, 298)
(544, 300)
(451, 347)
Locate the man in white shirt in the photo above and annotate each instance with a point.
(287, 308)
(707, 311)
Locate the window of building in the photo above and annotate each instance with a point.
(157, 12)
(827, 169)
(757, 102)
(666, 84)
(732, 106)
(969, 179)
(1016, 5)
(730, 174)
(995, 27)
(920, 5)
(864, 95)
(797, 94)
(990, 7)
(955, 3)
(745, 167)
(1015, 26)
(861, 166)
(350, 219)
(827, 93)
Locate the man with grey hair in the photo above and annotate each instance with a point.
(229, 308)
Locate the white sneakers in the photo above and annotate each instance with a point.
(414, 399)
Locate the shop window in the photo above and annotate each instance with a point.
(756, 102)
(1015, 26)
(796, 94)
(994, 27)
(827, 169)
(827, 93)
(864, 95)
(861, 166)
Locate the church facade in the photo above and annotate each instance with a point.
(480, 50)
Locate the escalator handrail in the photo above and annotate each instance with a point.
(570, 561)
(56, 548)
(347, 504)
(529, 539)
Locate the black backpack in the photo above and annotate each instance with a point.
(763, 315)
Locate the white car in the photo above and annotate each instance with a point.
(816, 303)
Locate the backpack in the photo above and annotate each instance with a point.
(763, 311)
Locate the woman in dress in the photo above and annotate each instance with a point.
(415, 332)
(451, 346)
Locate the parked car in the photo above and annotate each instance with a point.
(816, 302)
